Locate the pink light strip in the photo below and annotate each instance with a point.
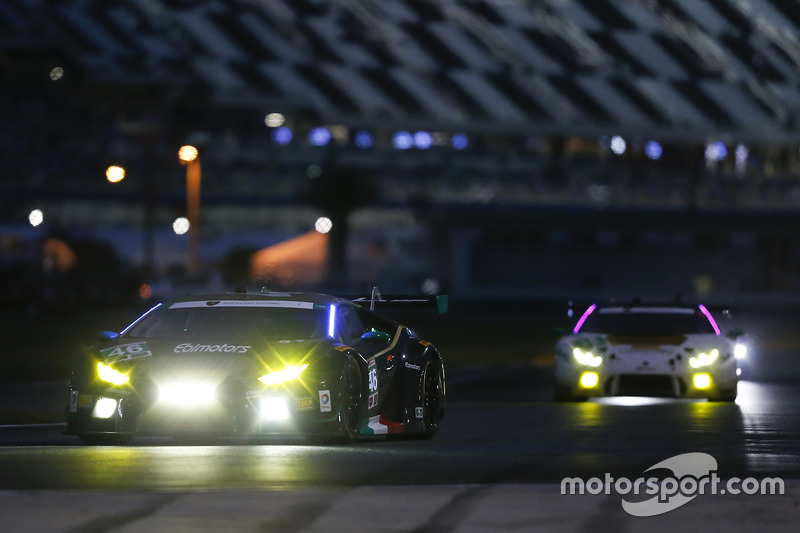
(585, 315)
(709, 317)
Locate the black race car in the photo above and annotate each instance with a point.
(246, 364)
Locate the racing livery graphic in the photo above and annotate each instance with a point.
(247, 364)
(646, 350)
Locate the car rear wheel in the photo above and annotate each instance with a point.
(724, 396)
(433, 398)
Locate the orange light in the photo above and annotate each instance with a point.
(145, 292)
(187, 154)
(115, 174)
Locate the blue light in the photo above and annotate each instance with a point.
(653, 150)
(716, 151)
(319, 137)
(423, 140)
(403, 140)
(332, 321)
(363, 139)
(282, 135)
(459, 141)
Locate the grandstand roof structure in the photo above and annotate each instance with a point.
(680, 69)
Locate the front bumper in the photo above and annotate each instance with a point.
(228, 411)
(600, 382)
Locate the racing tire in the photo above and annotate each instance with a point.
(432, 398)
(724, 396)
(102, 439)
(352, 400)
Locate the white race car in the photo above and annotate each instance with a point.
(646, 350)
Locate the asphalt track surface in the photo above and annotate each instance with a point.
(502, 446)
(500, 427)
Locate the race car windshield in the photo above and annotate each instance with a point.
(247, 323)
(651, 323)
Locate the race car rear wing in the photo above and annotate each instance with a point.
(440, 302)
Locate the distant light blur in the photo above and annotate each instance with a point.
(618, 145)
(423, 140)
(56, 73)
(181, 225)
(460, 141)
(145, 292)
(282, 135)
(323, 225)
(431, 286)
(319, 136)
(314, 171)
(402, 140)
(274, 120)
(36, 217)
(363, 139)
(742, 155)
(716, 151)
(115, 174)
(187, 153)
(653, 150)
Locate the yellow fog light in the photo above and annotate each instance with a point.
(589, 380)
(287, 374)
(104, 408)
(106, 373)
(702, 381)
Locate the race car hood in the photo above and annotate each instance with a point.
(171, 358)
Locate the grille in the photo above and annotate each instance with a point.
(636, 385)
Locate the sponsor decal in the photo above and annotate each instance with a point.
(380, 425)
(412, 366)
(324, 401)
(341, 347)
(419, 412)
(73, 401)
(85, 401)
(372, 401)
(304, 404)
(125, 352)
(210, 348)
(425, 343)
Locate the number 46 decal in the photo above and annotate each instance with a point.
(125, 352)
(372, 379)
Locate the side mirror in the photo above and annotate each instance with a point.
(378, 337)
(107, 335)
(735, 333)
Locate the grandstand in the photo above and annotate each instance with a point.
(498, 106)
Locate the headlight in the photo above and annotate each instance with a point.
(704, 359)
(106, 373)
(287, 374)
(587, 358)
(740, 351)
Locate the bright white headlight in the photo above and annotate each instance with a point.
(274, 408)
(587, 358)
(740, 351)
(704, 359)
(104, 408)
(187, 394)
